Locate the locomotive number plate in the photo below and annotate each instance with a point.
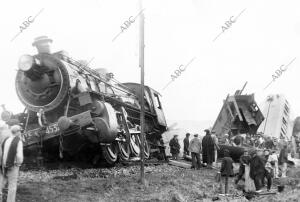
(52, 129)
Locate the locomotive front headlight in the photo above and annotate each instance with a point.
(25, 62)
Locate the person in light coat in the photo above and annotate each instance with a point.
(195, 147)
(273, 159)
(216, 142)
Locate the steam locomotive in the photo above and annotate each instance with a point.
(75, 112)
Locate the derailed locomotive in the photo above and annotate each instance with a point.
(75, 112)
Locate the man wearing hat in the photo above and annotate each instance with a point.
(174, 147)
(195, 149)
(208, 149)
(11, 160)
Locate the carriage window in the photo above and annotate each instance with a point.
(284, 121)
(157, 101)
(283, 131)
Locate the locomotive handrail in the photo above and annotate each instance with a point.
(96, 74)
(122, 103)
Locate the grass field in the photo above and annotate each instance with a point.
(164, 183)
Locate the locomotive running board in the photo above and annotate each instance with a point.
(51, 131)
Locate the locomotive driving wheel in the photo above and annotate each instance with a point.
(109, 152)
(124, 150)
(146, 148)
(134, 145)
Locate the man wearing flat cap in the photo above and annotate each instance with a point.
(174, 147)
(11, 160)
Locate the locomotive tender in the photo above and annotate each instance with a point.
(76, 112)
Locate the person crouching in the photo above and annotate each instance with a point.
(12, 158)
(195, 149)
(226, 169)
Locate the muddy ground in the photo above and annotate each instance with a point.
(164, 183)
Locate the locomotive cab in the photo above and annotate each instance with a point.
(152, 102)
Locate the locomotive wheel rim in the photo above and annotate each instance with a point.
(124, 150)
(134, 147)
(146, 149)
(110, 154)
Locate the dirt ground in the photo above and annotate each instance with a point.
(164, 183)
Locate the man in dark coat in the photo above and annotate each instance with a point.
(174, 147)
(283, 159)
(208, 149)
(226, 169)
(186, 143)
(258, 171)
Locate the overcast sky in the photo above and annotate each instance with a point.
(263, 37)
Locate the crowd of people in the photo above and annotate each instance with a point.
(262, 165)
(256, 165)
(208, 146)
(11, 158)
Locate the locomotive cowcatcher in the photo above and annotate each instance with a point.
(78, 113)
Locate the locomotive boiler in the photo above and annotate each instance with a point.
(76, 112)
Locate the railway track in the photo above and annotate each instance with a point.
(81, 165)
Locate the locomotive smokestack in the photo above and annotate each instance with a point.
(42, 43)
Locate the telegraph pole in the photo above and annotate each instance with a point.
(141, 64)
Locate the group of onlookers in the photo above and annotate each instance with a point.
(255, 165)
(208, 146)
(263, 165)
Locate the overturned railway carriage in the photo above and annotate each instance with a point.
(239, 114)
(75, 112)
